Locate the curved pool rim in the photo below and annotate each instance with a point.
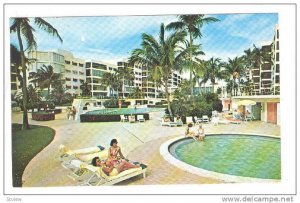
(164, 151)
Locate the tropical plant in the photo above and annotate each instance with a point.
(24, 30)
(191, 24)
(136, 93)
(112, 81)
(235, 70)
(125, 76)
(161, 56)
(58, 93)
(86, 89)
(45, 78)
(213, 71)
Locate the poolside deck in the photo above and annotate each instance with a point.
(139, 142)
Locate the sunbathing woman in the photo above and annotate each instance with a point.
(114, 152)
(108, 165)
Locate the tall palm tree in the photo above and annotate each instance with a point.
(85, 88)
(24, 30)
(214, 71)
(235, 69)
(192, 24)
(45, 77)
(109, 80)
(161, 56)
(125, 76)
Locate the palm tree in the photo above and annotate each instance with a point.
(45, 78)
(86, 89)
(24, 30)
(161, 56)
(124, 75)
(234, 71)
(214, 71)
(136, 93)
(192, 24)
(109, 80)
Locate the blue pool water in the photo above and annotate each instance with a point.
(240, 155)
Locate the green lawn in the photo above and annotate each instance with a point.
(25, 145)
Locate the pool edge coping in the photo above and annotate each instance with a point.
(164, 152)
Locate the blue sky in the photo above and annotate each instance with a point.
(113, 38)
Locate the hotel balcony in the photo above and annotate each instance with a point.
(266, 67)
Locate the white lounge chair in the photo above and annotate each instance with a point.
(131, 119)
(178, 122)
(197, 120)
(215, 120)
(140, 118)
(87, 174)
(167, 123)
(205, 118)
(123, 118)
(67, 155)
(189, 119)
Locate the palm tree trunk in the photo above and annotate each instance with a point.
(191, 67)
(168, 97)
(25, 124)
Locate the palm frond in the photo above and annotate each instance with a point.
(41, 23)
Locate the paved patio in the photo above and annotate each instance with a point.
(139, 142)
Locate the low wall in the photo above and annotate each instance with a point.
(107, 118)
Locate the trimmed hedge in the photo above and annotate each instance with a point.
(106, 118)
(43, 116)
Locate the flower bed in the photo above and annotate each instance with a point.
(43, 116)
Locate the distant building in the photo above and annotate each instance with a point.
(71, 69)
(94, 72)
(276, 66)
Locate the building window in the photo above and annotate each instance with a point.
(13, 86)
(277, 80)
(68, 71)
(80, 65)
(81, 81)
(75, 72)
(67, 62)
(68, 87)
(277, 68)
(277, 34)
(98, 73)
(68, 79)
(277, 56)
(88, 65)
(75, 80)
(75, 87)
(74, 63)
(99, 66)
(277, 45)
(81, 73)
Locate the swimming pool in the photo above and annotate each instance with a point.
(235, 155)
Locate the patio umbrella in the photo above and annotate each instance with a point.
(245, 102)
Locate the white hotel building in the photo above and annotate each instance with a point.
(71, 69)
(94, 72)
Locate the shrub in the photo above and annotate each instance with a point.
(43, 116)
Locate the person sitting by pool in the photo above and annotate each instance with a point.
(200, 133)
(109, 165)
(189, 132)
